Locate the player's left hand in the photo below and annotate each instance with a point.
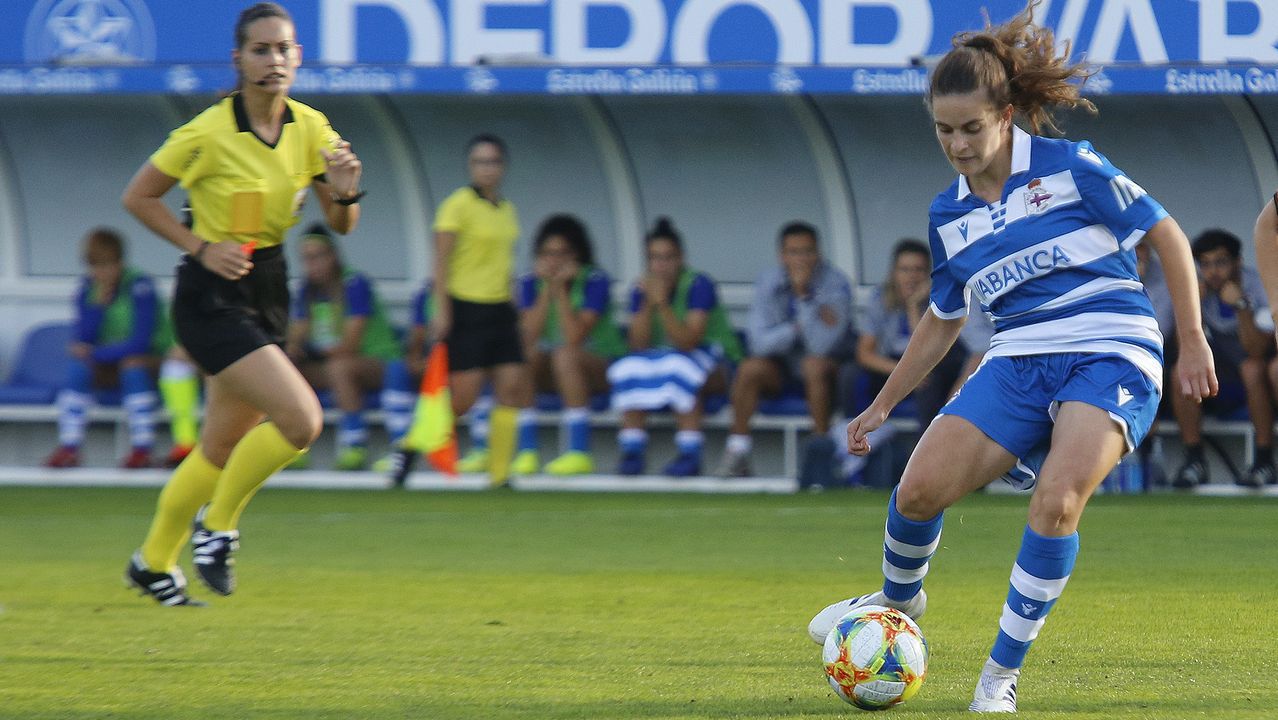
(342, 169)
(1196, 369)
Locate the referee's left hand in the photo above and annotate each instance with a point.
(343, 169)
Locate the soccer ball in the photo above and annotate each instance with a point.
(875, 657)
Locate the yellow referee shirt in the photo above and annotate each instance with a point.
(240, 187)
(480, 266)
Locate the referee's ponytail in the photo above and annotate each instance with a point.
(1016, 64)
(257, 12)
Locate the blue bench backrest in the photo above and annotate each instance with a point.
(44, 356)
(41, 366)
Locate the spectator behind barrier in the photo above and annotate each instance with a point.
(122, 335)
(681, 346)
(565, 315)
(799, 330)
(1239, 330)
(339, 339)
(886, 325)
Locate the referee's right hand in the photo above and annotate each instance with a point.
(226, 259)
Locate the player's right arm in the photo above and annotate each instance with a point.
(932, 339)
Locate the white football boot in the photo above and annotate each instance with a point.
(996, 690)
(825, 620)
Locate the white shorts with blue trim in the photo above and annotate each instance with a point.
(1014, 400)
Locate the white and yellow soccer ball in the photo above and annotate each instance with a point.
(875, 657)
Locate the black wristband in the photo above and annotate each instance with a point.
(350, 200)
(203, 246)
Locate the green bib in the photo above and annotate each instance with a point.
(117, 316)
(328, 317)
(605, 337)
(719, 332)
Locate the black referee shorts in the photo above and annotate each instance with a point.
(483, 335)
(219, 321)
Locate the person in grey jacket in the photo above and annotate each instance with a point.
(799, 330)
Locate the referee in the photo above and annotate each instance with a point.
(475, 233)
(246, 163)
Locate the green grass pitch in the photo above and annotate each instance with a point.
(506, 605)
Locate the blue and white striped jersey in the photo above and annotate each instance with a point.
(1053, 261)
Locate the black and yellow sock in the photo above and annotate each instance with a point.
(261, 453)
(190, 486)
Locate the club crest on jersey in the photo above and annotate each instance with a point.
(1037, 197)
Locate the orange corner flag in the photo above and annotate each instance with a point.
(433, 432)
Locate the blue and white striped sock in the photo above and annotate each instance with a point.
(526, 421)
(908, 545)
(398, 399)
(73, 404)
(1042, 568)
(479, 427)
(351, 430)
(689, 442)
(576, 428)
(140, 401)
(633, 440)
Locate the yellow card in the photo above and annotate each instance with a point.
(248, 210)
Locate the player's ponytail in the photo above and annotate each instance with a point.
(665, 230)
(1016, 64)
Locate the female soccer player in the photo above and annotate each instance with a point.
(565, 313)
(681, 349)
(122, 336)
(246, 163)
(1041, 232)
(475, 233)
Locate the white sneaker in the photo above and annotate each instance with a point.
(825, 620)
(996, 690)
(734, 465)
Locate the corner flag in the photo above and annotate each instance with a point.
(433, 432)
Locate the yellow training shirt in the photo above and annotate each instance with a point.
(480, 266)
(240, 187)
